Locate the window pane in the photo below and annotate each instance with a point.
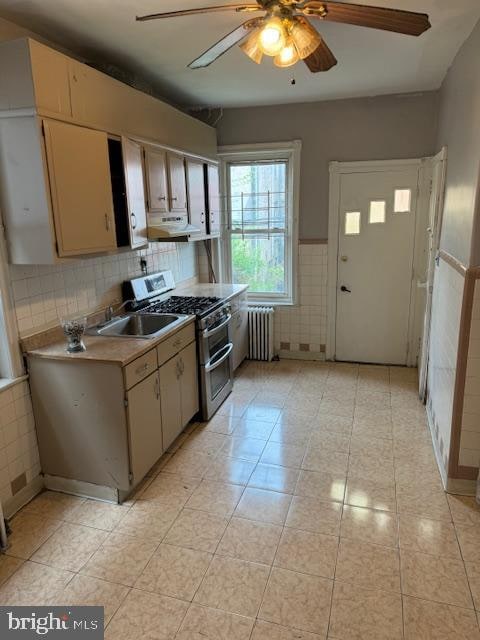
(403, 200)
(259, 262)
(377, 211)
(352, 223)
(258, 195)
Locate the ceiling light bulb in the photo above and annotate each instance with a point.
(288, 56)
(272, 37)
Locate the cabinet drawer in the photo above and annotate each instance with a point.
(175, 343)
(140, 368)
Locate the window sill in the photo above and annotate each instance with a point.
(271, 303)
(6, 383)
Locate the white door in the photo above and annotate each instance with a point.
(439, 166)
(375, 265)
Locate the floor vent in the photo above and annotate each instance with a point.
(260, 332)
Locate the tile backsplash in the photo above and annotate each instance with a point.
(303, 328)
(43, 294)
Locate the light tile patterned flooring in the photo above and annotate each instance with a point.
(309, 507)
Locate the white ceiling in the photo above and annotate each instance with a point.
(371, 62)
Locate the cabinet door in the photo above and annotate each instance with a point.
(188, 382)
(196, 194)
(170, 401)
(80, 185)
(51, 79)
(157, 186)
(137, 215)
(145, 425)
(214, 208)
(177, 183)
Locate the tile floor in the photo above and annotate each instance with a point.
(310, 507)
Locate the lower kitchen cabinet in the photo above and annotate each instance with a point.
(178, 392)
(144, 426)
(101, 426)
(188, 382)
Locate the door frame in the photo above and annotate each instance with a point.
(437, 197)
(337, 169)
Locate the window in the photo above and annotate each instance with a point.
(260, 243)
(352, 223)
(377, 211)
(403, 201)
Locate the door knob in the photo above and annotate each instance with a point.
(345, 289)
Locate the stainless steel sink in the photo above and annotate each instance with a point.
(137, 325)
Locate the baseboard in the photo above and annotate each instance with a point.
(462, 487)
(83, 489)
(20, 499)
(301, 355)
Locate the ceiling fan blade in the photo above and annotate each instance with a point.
(322, 59)
(396, 20)
(226, 43)
(191, 12)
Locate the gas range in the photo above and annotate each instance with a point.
(187, 305)
(153, 294)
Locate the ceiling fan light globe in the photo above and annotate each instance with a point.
(251, 48)
(288, 56)
(305, 37)
(272, 37)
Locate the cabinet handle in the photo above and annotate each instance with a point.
(174, 199)
(178, 370)
(134, 220)
(177, 342)
(107, 222)
(161, 198)
(157, 388)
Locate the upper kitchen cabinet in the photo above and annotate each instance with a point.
(157, 184)
(213, 199)
(196, 195)
(166, 184)
(82, 202)
(32, 74)
(177, 183)
(135, 193)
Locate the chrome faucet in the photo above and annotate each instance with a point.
(109, 311)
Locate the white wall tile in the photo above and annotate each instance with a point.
(43, 294)
(446, 310)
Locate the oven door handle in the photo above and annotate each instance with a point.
(211, 332)
(217, 361)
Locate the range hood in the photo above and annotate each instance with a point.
(157, 231)
(171, 227)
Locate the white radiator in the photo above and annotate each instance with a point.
(260, 333)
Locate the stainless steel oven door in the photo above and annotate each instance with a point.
(216, 380)
(214, 339)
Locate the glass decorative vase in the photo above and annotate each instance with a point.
(74, 328)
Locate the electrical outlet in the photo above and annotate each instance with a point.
(143, 266)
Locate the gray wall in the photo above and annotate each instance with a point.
(379, 128)
(459, 130)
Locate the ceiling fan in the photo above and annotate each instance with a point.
(286, 34)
